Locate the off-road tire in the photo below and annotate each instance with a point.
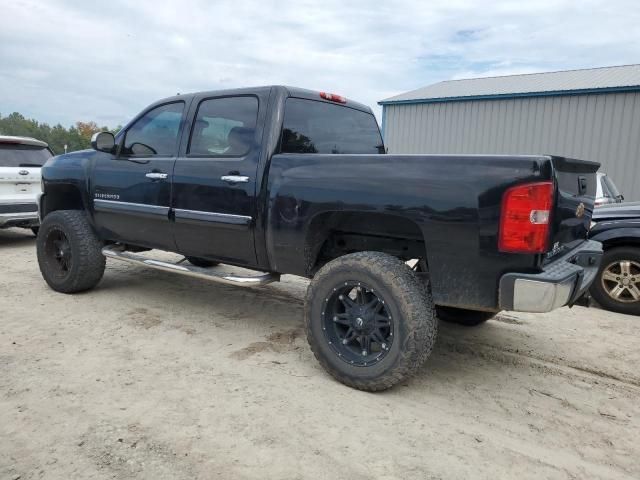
(202, 262)
(87, 262)
(461, 316)
(409, 301)
(597, 290)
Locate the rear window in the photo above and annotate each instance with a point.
(318, 127)
(16, 155)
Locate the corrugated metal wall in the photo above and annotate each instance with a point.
(601, 127)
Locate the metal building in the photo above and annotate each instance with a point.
(591, 114)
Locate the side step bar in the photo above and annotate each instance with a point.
(118, 253)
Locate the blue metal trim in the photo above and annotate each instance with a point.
(506, 96)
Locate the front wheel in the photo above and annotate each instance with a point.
(369, 319)
(617, 284)
(69, 252)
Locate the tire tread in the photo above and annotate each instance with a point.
(413, 297)
(86, 251)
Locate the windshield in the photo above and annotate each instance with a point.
(17, 155)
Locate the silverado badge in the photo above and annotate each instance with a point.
(580, 210)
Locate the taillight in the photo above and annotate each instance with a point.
(525, 216)
(332, 97)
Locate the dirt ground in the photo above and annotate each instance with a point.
(158, 376)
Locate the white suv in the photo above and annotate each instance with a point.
(20, 162)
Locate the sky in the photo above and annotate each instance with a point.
(63, 61)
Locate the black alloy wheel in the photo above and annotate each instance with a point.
(58, 253)
(357, 324)
(370, 321)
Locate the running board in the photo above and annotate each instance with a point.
(118, 253)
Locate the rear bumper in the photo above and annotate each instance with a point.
(18, 215)
(560, 283)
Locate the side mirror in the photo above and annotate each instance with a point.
(103, 142)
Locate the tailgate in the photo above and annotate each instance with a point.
(20, 166)
(575, 197)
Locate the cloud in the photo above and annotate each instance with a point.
(65, 60)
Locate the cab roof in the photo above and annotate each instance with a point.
(288, 91)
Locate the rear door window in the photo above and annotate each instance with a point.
(318, 127)
(224, 127)
(17, 155)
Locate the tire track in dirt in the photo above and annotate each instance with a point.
(503, 354)
(507, 356)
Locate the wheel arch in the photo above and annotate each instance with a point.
(618, 237)
(61, 196)
(332, 234)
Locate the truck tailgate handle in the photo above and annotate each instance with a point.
(234, 178)
(156, 175)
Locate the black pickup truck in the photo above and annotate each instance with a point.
(288, 181)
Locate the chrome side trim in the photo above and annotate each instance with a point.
(118, 253)
(101, 205)
(198, 215)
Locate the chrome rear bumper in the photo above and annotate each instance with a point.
(560, 283)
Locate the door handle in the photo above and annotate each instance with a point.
(156, 175)
(234, 178)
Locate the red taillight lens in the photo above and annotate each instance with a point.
(524, 221)
(332, 97)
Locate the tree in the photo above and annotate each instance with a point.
(76, 137)
(87, 129)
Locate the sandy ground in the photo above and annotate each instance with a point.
(153, 375)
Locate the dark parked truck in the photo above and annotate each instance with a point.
(284, 180)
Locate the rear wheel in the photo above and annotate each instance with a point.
(369, 320)
(201, 262)
(69, 252)
(617, 285)
(461, 316)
